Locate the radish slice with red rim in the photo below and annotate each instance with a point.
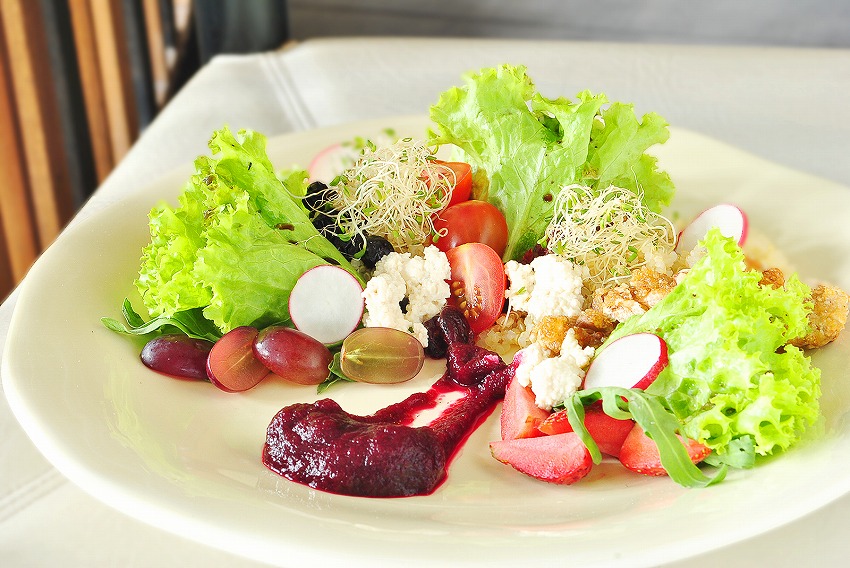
(730, 219)
(632, 361)
(331, 162)
(326, 303)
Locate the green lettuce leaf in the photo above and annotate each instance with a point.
(529, 146)
(236, 243)
(731, 374)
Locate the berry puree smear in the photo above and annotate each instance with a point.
(382, 455)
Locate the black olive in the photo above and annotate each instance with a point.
(324, 223)
(349, 248)
(376, 249)
(316, 198)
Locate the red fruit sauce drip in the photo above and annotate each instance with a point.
(322, 446)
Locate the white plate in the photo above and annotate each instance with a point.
(185, 456)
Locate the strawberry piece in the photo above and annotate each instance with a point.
(640, 453)
(520, 415)
(556, 423)
(608, 433)
(561, 459)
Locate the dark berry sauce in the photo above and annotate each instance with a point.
(381, 455)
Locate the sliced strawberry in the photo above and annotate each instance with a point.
(608, 433)
(640, 454)
(520, 415)
(559, 459)
(556, 423)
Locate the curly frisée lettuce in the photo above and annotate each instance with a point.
(732, 380)
(527, 147)
(237, 242)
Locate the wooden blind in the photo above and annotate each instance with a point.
(37, 112)
(79, 79)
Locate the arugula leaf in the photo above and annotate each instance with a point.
(575, 414)
(658, 423)
(336, 375)
(190, 322)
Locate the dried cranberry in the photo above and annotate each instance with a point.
(445, 329)
(533, 253)
(454, 326)
(469, 365)
(437, 345)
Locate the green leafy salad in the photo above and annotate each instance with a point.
(238, 241)
(231, 251)
(527, 147)
(733, 380)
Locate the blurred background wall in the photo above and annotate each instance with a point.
(814, 23)
(81, 79)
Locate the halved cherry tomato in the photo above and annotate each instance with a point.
(477, 284)
(463, 181)
(471, 222)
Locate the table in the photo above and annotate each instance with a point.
(788, 105)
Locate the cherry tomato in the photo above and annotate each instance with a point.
(471, 222)
(477, 284)
(463, 181)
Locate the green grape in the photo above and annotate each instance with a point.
(381, 355)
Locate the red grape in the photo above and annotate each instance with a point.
(231, 365)
(293, 355)
(177, 355)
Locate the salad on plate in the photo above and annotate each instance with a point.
(526, 241)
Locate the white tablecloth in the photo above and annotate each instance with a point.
(787, 105)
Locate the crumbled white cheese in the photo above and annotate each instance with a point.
(557, 288)
(553, 379)
(520, 284)
(550, 286)
(421, 279)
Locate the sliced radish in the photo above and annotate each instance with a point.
(331, 162)
(231, 365)
(633, 361)
(326, 303)
(730, 219)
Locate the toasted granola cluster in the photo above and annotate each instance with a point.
(609, 305)
(827, 318)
